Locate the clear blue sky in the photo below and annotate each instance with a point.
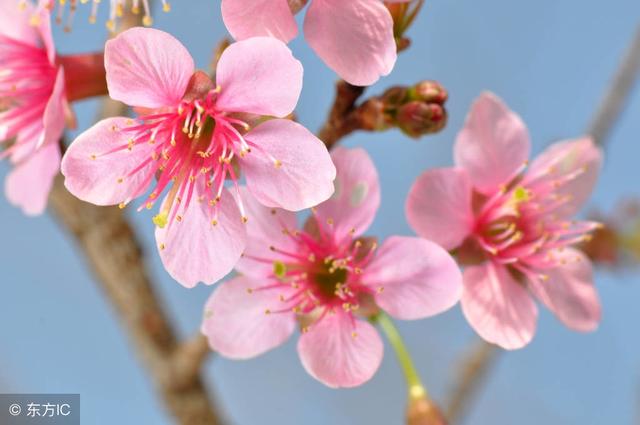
(550, 60)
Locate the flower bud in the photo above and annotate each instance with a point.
(430, 92)
(394, 98)
(417, 118)
(422, 411)
(373, 115)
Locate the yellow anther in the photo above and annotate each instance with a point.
(160, 220)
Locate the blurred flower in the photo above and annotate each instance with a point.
(513, 229)
(190, 135)
(354, 38)
(35, 87)
(330, 279)
(116, 12)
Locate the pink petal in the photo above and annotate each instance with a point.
(148, 68)
(498, 307)
(564, 158)
(569, 292)
(341, 352)
(54, 119)
(252, 18)
(15, 22)
(439, 206)
(304, 175)
(264, 230)
(236, 323)
(259, 76)
(413, 278)
(46, 36)
(493, 145)
(354, 38)
(28, 185)
(104, 180)
(356, 198)
(196, 250)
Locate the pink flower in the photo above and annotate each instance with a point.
(513, 228)
(192, 136)
(328, 279)
(32, 105)
(353, 37)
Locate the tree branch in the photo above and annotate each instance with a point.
(616, 96)
(475, 368)
(341, 120)
(115, 255)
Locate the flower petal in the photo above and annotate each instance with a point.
(236, 321)
(413, 278)
(195, 249)
(564, 158)
(341, 352)
(499, 308)
(147, 68)
(354, 38)
(302, 177)
(259, 76)
(29, 183)
(252, 18)
(54, 119)
(104, 180)
(264, 230)
(493, 144)
(439, 206)
(15, 22)
(569, 292)
(356, 198)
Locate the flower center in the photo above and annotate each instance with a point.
(27, 79)
(330, 279)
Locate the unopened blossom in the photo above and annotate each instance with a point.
(327, 280)
(512, 225)
(32, 104)
(353, 37)
(65, 10)
(192, 137)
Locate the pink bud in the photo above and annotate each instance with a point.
(418, 118)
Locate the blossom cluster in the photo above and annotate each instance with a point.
(225, 167)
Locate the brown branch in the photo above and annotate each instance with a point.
(114, 253)
(480, 360)
(617, 93)
(476, 366)
(341, 120)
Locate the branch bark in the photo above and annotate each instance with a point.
(341, 120)
(115, 255)
(617, 94)
(111, 248)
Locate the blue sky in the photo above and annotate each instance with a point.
(550, 60)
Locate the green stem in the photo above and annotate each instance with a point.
(416, 389)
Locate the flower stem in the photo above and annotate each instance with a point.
(416, 389)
